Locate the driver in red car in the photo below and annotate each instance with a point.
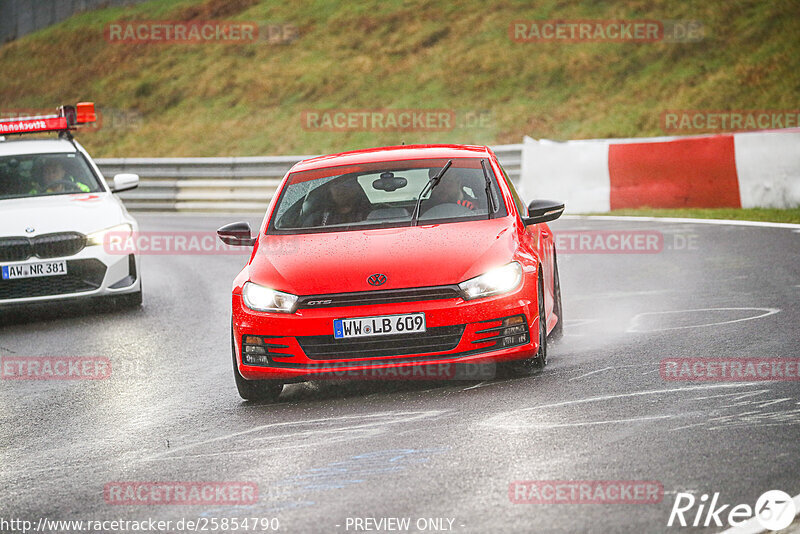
(53, 178)
(450, 190)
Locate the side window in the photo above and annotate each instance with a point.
(521, 208)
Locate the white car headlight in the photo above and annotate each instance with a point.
(262, 298)
(120, 232)
(495, 282)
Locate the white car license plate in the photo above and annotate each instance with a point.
(407, 323)
(34, 270)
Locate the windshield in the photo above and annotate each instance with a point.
(383, 194)
(36, 175)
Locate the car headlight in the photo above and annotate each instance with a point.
(120, 232)
(262, 298)
(495, 282)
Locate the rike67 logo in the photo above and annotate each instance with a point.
(774, 510)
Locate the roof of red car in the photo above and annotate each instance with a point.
(392, 153)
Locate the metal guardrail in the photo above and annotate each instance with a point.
(225, 184)
(21, 17)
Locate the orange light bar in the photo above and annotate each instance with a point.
(86, 113)
(65, 119)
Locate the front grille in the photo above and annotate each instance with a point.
(82, 276)
(384, 296)
(45, 246)
(15, 249)
(437, 339)
(58, 245)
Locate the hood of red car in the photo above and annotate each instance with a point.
(341, 262)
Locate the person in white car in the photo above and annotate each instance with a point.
(53, 178)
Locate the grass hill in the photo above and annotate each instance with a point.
(248, 99)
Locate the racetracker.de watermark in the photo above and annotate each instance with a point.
(393, 120)
(180, 493)
(606, 31)
(199, 32)
(105, 118)
(621, 242)
(186, 243)
(585, 492)
(442, 371)
(55, 367)
(698, 120)
(730, 369)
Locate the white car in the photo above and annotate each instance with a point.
(55, 210)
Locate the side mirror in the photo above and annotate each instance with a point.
(237, 234)
(540, 211)
(123, 182)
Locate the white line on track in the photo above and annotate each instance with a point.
(497, 420)
(545, 426)
(736, 395)
(394, 417)
(590, 373)
(634, 394)
(633, 329)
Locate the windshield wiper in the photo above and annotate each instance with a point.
(489, 197)
(433, 182)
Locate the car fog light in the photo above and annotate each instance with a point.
(256, 359)
(515, 340)
(514, 330)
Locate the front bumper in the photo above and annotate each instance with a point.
(92, 272)
(301, 346)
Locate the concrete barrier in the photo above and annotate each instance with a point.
(753, 169)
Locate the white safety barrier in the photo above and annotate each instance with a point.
(575, 172)
(768, 166)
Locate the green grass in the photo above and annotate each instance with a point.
(247, 99)
(751, 214)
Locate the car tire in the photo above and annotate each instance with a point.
(254, 390)
(540, 360)
(558, 330)
(530, 365)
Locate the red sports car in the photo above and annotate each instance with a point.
(393, 258)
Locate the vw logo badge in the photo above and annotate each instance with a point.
(30, 229)
(377, 279)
